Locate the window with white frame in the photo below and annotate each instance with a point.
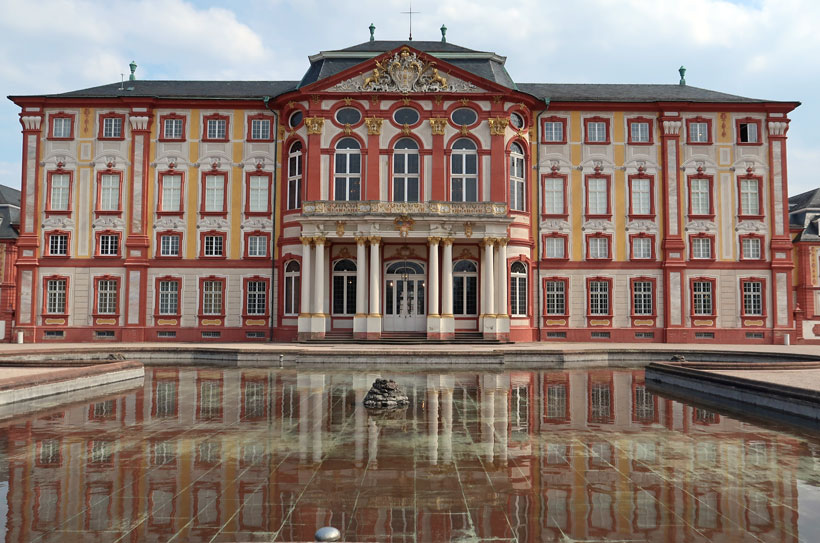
(555, 297)
(553, 131)
(107, 296)
(700, 196)
(518, 289)
(109, 192)
(698, 132)
(597, 196)
(168, 298)
(464, 171)
(214, 245)
(348, 171)
(60, 188)
(640, 196)
(216, 129)
(58, 244)
(214, 193)
(257, 297)
(292, 287)
(406, 171)
(465, 282)
(748, 133)
(344, 287)
(61, 127)
(555, 247)
(599, 297)
(753, 298)
(56, 296)
(642, 298)
(212, 297)
(702, 298)
(110, 244)
(295, 176)
(517, 180)
(260, 129)
(641, 247)
(172, 129)
(112, 127)
(639, 132)
(171, 193)
(554, 196)
(257, 246)
(598, 247)
(751, 248)
(701, 248)
(169, 245)
(596, 131)
(749, 197)
(258, 193)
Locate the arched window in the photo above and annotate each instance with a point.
(406, 171)
(348, 170)
(518, 289)
(465, 287)
(344, 287)
(464, 172)
(292, 287)
(517, 186)
(295, 176)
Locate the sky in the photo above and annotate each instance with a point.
(756, 48)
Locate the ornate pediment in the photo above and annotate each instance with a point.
(405, 72)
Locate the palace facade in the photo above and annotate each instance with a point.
(403, 188)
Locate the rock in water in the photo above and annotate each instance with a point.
(385, 394)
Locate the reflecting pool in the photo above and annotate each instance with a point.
(204, 454)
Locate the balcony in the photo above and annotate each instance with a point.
(333, 208)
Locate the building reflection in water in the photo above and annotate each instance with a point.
(256, 454)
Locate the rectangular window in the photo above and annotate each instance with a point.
(109, 244)
(702, 298)
(598, 247)
(700, 196)
(171, 193)
(596, 132)
(599, 297)
(642, 298)
(61, 129)
(60, 189)
(749, 197)
(107, 297)
(169, 245)
(753, 298)
(214, 194)
(554, 132)
(641, 248)
(554, 196)
(217, 129)
(212, 297)
(257, 298)
(555, 247)
(555, 297)
(58, 245)
(214, 245)
(747, 133)
(112, 127)
(698, 132)
(640, 196)
(701, 248)
(639, 132)
(260, 129)
(169, 297)
(109, 192)
(750, 248)
(257, 246)
(258, 194)
(597, 196)
(56, 296)
(172, 129)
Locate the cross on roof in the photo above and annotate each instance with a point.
(410, 13)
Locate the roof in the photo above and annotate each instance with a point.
(245, 90)
(380, 46)
(9, 196)
(579, 92)
(9, 212)
(804, 212)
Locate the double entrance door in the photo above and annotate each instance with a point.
(404, 297)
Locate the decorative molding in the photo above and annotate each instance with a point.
(211, 223)
(642, 225)
(339, 207)
(701, 226)
(751, 226)
(556, 225)
(437, 126)
(598, 225)
(314, 125)
(778, 128)
(58, 222)
(671, 128)
(257, 223)
(31, 122)
(498, 126)
(139, 122)
(374, 125)
(169, 223)
(108, 222)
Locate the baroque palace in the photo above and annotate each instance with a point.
(403, 188)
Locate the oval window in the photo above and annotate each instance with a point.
(295, 119)
(406, 115)
(464, 116)
(348, 115)
(517, 121)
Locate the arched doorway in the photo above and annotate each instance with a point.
(404, 297)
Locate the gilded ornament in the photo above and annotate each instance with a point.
(405, 129)
(468, 229)
(374, 125)
(347, 129)
(464, 130)
(498, 125)
(434, 240)
(361, 240)
(347, 100)
(340, 228)
(406, 100)
(438, 99)
(314, 98)
(344, 253)
(404, 224)
(314, 125)
(437, 126)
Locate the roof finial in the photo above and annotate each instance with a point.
(443, 34)
(133, 67)
(410, 13)
(372, 31)
(682, 72)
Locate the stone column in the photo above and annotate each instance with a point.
(432, 425)
(317, 326)
(374, 319)
(432, 289)
(360, 319)
(447, 319)
(501, 278)
(489, 288)
(305, 302)
(447, 424)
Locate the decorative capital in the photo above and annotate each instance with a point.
(314, 125)
(139, 122)
(778, 128)
(374, 125)
(319, 240)
(374, 240)
(433, 240)
(437, 125)
(446, 241)
(488, 242)
(498, 126)
(361, 240)
(31, 122)
(671, 128)
(306, 241)
(501, 242)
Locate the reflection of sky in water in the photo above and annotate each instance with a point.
(205, 454)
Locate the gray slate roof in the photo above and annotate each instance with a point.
(246, 90)
(9, 212)
(380, 46)
(570, 92)
(9, 196)
(804, 212)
